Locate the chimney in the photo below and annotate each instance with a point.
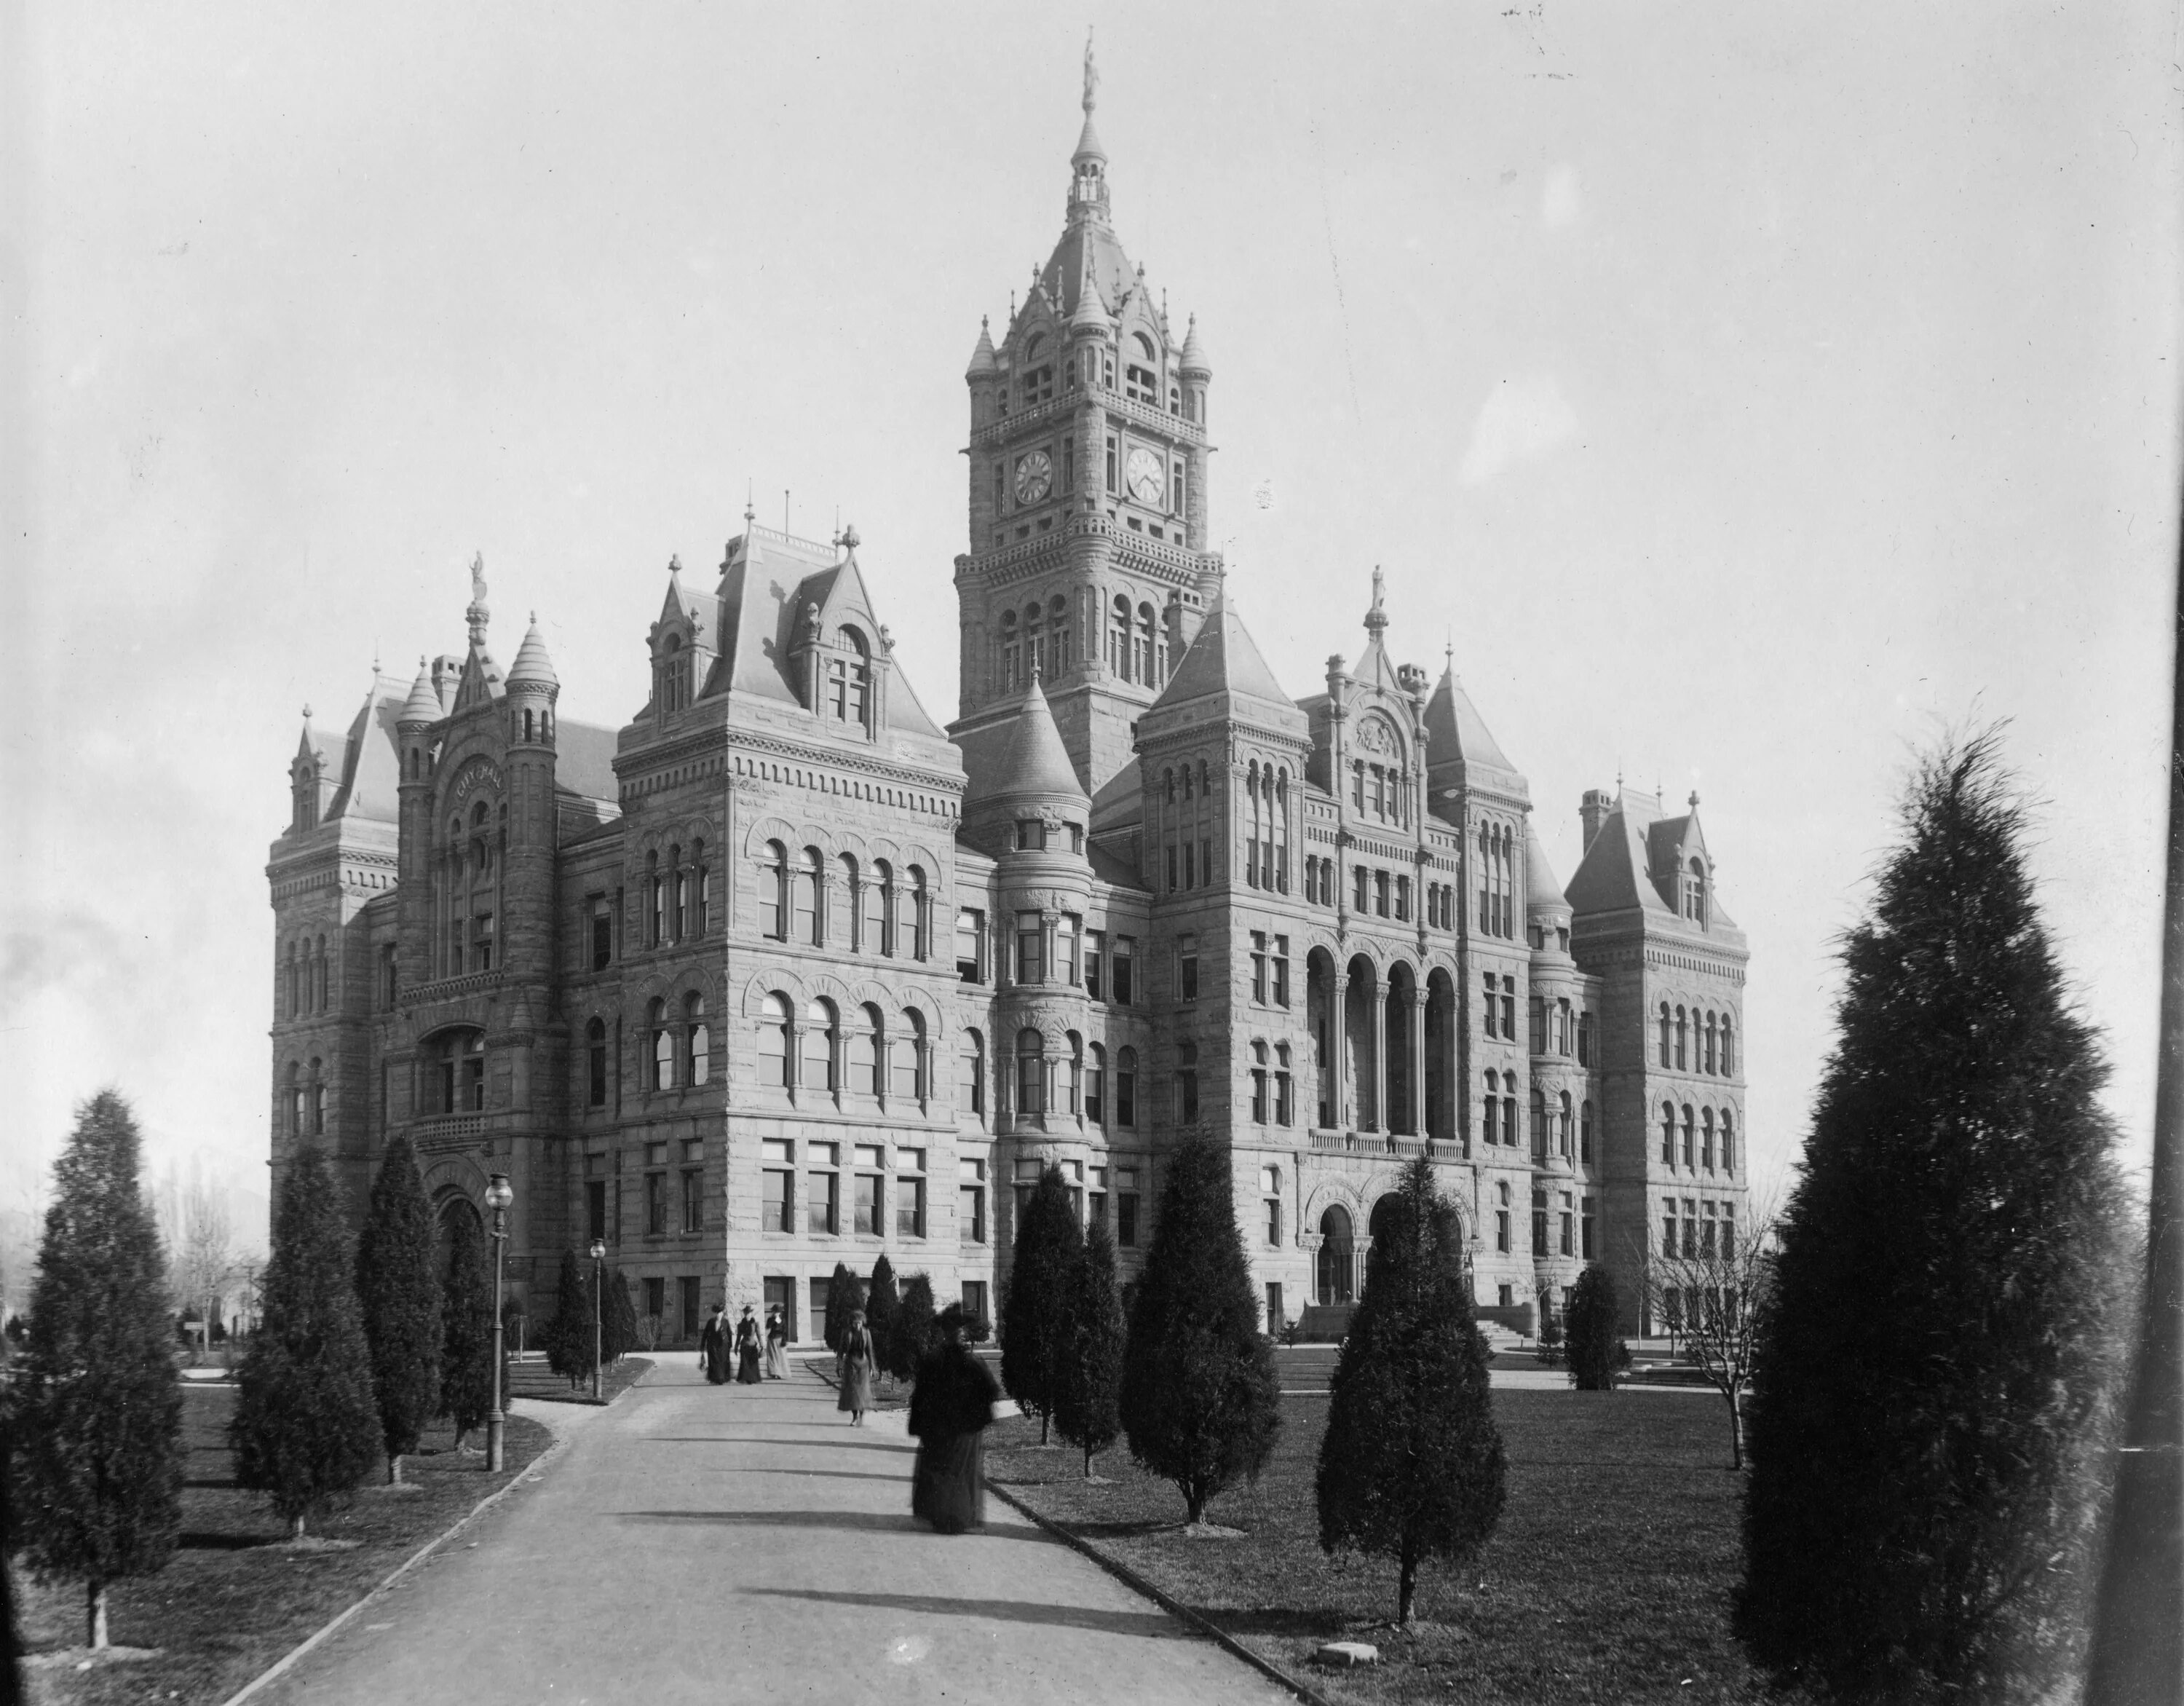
(1591, 812)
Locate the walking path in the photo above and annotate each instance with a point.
(731, 1543)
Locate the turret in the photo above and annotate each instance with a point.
(312, 781)
(415, 725)
(530, 692)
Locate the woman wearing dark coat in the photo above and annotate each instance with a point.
(713, 1346)
(855, 1395)
(949, 1409)
(747, 1349)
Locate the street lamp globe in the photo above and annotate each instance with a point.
(499, 1194)
(598, 1249)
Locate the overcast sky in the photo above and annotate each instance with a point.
(1743, 392)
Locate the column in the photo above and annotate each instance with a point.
(1338, 1049)
(1377, 1019)
(1418, 1060)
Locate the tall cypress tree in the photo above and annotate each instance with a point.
(96, 1476)
(1596, 1344)
(910, 1336)
(1201, 1403)
(842, 1297)
(619, 1328)
(1036, 1304)
(466, 1328)
(1938, 1356)
(1410, 1464)
(306, 1428)
(880, 1304)
(400, 1297)
(1088, 1414)
(569, 1347)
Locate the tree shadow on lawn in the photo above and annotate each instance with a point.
(1315, 1622)
(1157, 1625)
(852, 1521)
(766, 1440)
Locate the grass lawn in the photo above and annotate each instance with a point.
(229, 1604)
(1608, 1579)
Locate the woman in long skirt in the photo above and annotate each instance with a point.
(777, 1346)
(949, 1410)
(855, 1395)
(747, 1349)
(713, 1346)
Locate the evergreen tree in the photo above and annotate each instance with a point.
(1089, 1411)
(306, 1429)
(400, 1297)
(570, 1340)
(466, 1328)
(880, 1305)
(619, 1320)
(1410, 1464)
(1036, 1304)
(95, 1410)
(1937, 1357)
(1596, 1349)
(909, 1335)
(842, 1298)
(1201, 1403)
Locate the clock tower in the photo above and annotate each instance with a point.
(1088, 562)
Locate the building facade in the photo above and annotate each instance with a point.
(783, 973)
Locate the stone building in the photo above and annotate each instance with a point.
(781, 973)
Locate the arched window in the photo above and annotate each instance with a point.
(1667, 1056)
(291, 1101)
(1337, 1264)
(1585, 1134)
(773, 893)
(878, 904)
(773, 1054)
(849, 681)
(1259, 1075)
(971, 1073)
(1031, 1073)
(811, 916)
(1501, 1218)
(1668, 1135)
(1509, 1107)
(1011, 657)
(850, 899)
(1689, 1128)
(1071, 1091)
(703, 921)
(1141, 669)
(1282, 831)
(865, 1070)
(1186, 1082)
(1539, 1125)
(1118, 638)
(1709, 1046)
(921, 915)
(1095, 1086)
(655, 902)
(1057, 628)
(1486, 1107)
(908, 1060)
(1728, 1046)
(1706, 1139)
(318, 1099)
(595, 1063)
(1695, 891)
(1682, 1053)
(663, 1045)
(815, 1069)
(698, 1041)
(1125, 1087)
(1035, 656)
(1728, 1143)
(1562, 1127)
(1284, 1087)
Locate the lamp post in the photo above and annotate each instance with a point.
(598, 1288)
(497, 1196)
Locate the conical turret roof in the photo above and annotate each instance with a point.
(1193, 359)
(1542, 892)
(1455, 729)
(423, 704)
(532, 663)
(1037, 763)
(1089, 146)
(982, 365)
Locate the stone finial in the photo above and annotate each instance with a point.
(1694, 799)
(675, 563)
(849, 539)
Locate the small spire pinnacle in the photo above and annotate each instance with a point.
(1694, 799)
(1091, 73)
(849, 539)
(307, 713)
(750, 510)
(674, 567)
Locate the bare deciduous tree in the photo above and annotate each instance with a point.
(204, 1256)
(1710, 1290)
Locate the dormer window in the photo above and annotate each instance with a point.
(305, 815)
(1037, 385)
(849, 681)
(1695, 899)
(670, 676)
(1139, 385)
(1031, 835)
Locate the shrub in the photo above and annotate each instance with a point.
(1596, 1344)
(1410, 1464)
(399, 1296)
(1923, 1497)
(880, 1304)
(620, 1319)
(1035, 1307)
(569, 1337)
(1201, 1404)
(910, 1334)
(306, 1427)
(95, 1417)
(842, 1297)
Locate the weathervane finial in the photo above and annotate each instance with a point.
(1091, 73)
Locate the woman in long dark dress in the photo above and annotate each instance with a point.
(855, 1395)
(713, 1346)
(776, 1346)
(747, 1349)
(949, 1409)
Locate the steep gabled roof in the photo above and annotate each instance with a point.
(840, 595)
(371, 754)
(761, 601)
(1456, 730)
(1224, 659)
(1615, 873)
(583, 760)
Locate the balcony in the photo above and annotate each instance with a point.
(448, 1128)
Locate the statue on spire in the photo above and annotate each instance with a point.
(478, 611)
(1377, 618)
(1091, 73)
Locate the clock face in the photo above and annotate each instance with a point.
(1034, 477)
(1147, 479)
